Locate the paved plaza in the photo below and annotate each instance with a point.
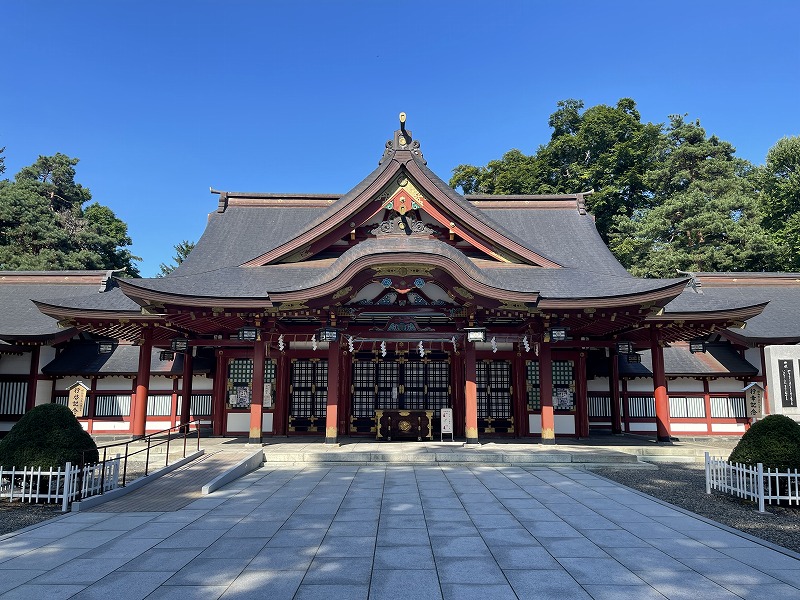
(398, 532)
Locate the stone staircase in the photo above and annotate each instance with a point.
(448, 453)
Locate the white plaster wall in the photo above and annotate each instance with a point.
(44, 391)
(564, 424)
(598, 384)
(688, 427)
(238, 422)
(266, 422)
(727, 384)
(115, 383)
(14, 364)
(641, 385)
(642, 427)
(685, 384)
(727, 427)
(160, 384)
(199, 384)
(62, 383)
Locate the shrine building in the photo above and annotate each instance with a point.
(366, 314)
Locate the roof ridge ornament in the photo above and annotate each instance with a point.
(403, 140)
(693, 282)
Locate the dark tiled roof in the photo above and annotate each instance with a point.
(719, 360)
(485, 217)
(259, 282)
(82, 358)
(112, 300)
(19, 317)
(565, 236)
(780, 320)
(242, 233)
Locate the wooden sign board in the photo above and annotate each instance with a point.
(754, 397)
(447, 423)
(76, 401)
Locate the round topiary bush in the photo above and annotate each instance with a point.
(47, 436)
(773, 441)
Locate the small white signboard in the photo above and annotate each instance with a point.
(77, 398)
(754, 394)
(447, 423)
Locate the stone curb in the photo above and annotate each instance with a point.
(242, 468)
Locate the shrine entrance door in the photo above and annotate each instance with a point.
(398, 382)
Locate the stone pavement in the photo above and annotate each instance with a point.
(399, 532)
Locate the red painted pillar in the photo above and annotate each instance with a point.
(470, 394)
(765, 400)
(142, 384)
(282, 395)
(707, 404)
(332, 414)
(457, 400)
(346, 404)
(257, 397)
(659, 387)
(186, 390)
(33, 378)
(546, 394)
(613, 388)
(520, 395)
(581, 396)
(218, 398)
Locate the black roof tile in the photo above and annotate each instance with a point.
(82, 358)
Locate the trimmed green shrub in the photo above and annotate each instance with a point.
(773, 441)
(47, 436)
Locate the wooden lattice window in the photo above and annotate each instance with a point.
(309, 392)
(494, 389)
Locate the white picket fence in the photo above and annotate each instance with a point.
(53, 486)
(752, 483)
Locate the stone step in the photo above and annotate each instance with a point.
(453, 457)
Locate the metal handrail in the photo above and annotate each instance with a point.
(183, 430)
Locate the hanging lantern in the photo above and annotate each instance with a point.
(248, 333)
(476, 334)
(179, 345)
(328, 334)
(105, 347)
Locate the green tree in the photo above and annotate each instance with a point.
(780, 184)
(182, 250)
(604, 148)
(706, 214)
(44, 226)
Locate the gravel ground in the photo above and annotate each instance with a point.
(16, 515)
(684, 485)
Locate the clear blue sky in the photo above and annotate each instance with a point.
(162, 99)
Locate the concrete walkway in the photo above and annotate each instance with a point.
(399, 532)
